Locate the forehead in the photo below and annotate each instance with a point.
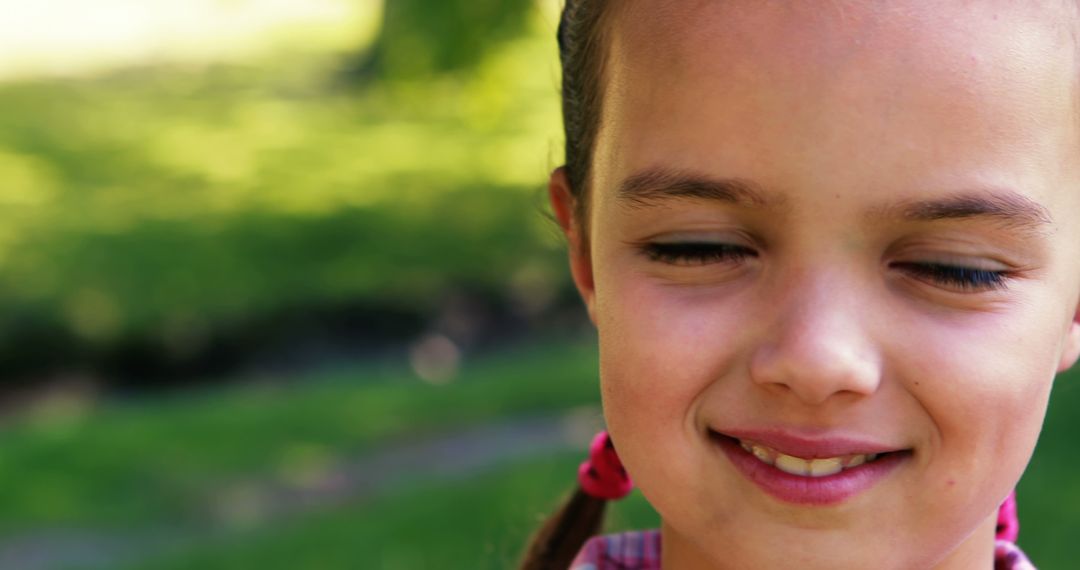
(840, 29)
(862, 90)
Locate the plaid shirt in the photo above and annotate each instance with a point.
(641, 551)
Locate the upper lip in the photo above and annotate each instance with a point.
(808, 447)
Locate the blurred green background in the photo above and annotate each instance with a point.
(277, 290)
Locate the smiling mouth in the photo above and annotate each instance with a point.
(805, 464)
(809, 472)
(816, 467)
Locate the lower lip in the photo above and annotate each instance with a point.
(810, 491)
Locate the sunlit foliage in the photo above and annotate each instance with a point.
(164, 201)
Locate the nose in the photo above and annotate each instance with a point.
(818, 345)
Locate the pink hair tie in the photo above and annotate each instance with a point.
(602, 476)
(1008, 525)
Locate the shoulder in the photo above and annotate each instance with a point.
(638, 550)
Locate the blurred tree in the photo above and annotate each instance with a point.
(420, 37)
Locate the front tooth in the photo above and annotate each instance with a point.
(856, 461)
(746, 446)
(792, 465)
(762, 454)
(825, 467)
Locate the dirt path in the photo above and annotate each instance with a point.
(240, 505)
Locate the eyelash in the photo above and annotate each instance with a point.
(965, 279)
(696, 253)
(955, 276)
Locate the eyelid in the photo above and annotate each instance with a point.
(733, 236)
(978, 262)
(959, 249)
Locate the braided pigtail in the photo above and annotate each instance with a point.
(600, 478)
(556, 543)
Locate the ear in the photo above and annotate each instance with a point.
(1071, 347)
(564, 205)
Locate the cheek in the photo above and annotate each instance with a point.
(645, 353)
(661, 344)
(661, 347)
(984, 383)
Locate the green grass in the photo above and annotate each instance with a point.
(479, 523)
(161, 460)
(150, 464)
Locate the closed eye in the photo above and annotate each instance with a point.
(956, 277)
(695, 253)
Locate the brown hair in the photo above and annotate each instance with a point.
(582, 51)
(558, 540)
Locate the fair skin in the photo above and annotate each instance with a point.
(902, 271)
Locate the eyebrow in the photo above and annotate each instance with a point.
(655, 185)
(1009, 207)
(658, 184)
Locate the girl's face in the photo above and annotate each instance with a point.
(827, 230)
